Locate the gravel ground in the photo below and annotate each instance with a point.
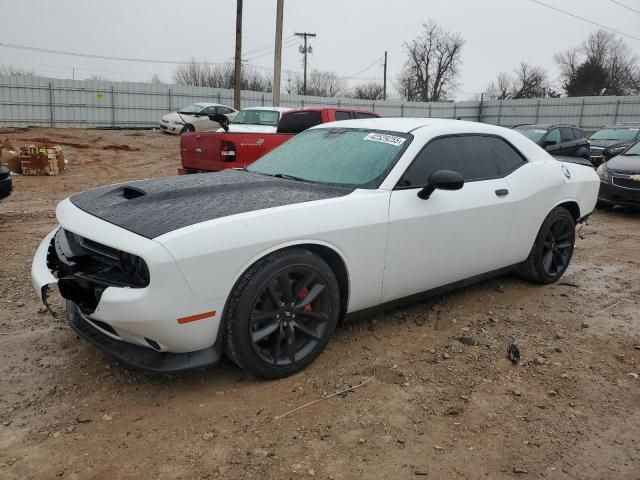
(435, 408)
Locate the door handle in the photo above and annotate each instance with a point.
(502, 192)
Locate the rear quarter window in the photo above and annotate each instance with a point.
(297, 122)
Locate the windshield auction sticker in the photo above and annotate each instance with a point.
(382, 138)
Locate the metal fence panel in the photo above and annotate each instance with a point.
(40, 101)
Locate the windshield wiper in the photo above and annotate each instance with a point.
(289, 177)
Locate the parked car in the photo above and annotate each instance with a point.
(6, 184)
(166, 274)
(219, 151)
(560, 140)
(620, 179)
(196, 118)
(257, 120)
(612, 140)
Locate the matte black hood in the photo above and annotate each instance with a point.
(157, 206)
(624, 163)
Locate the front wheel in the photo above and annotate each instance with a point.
(553, 248)
(282, 313)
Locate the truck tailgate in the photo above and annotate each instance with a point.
(212, 151)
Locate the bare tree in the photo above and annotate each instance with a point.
(432, 65)
(15, 71)
(367, 91)
(156, 80)
(529, 81)
(603, 62)
(220, 76)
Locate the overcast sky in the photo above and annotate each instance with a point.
(352, 34)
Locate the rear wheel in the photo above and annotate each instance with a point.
(282, 314)
(553, 248)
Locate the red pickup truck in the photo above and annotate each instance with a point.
(212, 152)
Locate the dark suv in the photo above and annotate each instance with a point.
(612, 140)
(5, 182)
(558, 140)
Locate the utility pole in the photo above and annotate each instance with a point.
(277, 59)
(238, 69)
(384, 85)
(304, 50)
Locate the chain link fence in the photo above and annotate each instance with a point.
(49, 102)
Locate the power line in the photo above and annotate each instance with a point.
(585, 20)
(101, 57)
(355, 75)
(268, 46)
(625, 6)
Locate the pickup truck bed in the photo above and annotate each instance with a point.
(212, 152)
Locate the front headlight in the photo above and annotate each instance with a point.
(612, 152)
(603, 173)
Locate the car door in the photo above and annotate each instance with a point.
(202, 123)
(552, 141)
(453, 235)
(568, 145)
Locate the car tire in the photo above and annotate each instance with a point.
(282, 313)
(552, 249)
(187, 129)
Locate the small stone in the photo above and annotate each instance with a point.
(208, 436)
(553, 393)
(637, 347)
(446, 356)
(521, 470)
(438, 448)
(406, 384)
(107, 418)
(584, 325)
(517, 393)
(20, 303)
(634, 375)
(56, 434)
(465, 329)
(565, 375)
(312, 472)
(361, 441)
(70, 429)
(420, 472)
(539, 361)
(493, 320)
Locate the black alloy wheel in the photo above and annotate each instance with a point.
(290, 315)
(558, 246)
(282, 313)
(552, 249)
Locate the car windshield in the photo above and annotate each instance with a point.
(336, 156)
(257, 117)
(620, 134)
(633, 151)
(534, 134)
(191, 109)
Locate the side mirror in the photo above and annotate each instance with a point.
(441, 180)
(549, 143)
(221, 119)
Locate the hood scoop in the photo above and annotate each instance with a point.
(129, 192)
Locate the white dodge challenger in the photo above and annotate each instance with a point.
(167, 274)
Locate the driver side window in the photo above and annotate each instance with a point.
(553, 137)
(209, 111)
(468, 155)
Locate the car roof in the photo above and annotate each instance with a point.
(545, 126)
(407, 125)
(207, 104)
(271, 109)
(331, 109)
(624, 125)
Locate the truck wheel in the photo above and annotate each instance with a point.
(553, 248)
(282, 313)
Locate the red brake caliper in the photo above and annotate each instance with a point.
(303, 294)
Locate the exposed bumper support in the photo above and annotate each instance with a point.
(141, 357)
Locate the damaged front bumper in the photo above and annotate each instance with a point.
(112, 303)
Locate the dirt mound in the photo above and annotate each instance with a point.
(121, 148)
